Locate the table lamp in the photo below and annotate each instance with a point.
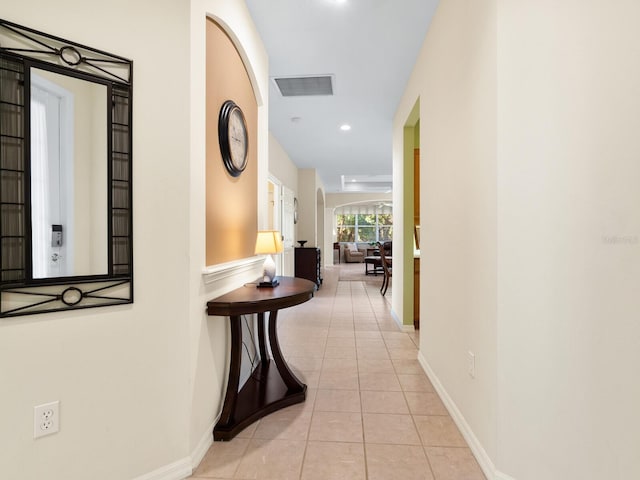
(267, 243)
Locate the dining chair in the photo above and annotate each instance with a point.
(386, 268)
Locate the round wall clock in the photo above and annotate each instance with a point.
(233, 138)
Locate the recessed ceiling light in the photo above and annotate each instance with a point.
(345, 127)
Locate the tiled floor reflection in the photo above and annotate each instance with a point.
(371, 412)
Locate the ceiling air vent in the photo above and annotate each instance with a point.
(305, 86)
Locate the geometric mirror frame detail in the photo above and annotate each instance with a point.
(23, 53)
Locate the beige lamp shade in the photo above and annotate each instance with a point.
(268, 242)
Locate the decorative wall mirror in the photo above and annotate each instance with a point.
(65, 174)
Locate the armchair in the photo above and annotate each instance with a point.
(352, 254)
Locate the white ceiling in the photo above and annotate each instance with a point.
(370, 47)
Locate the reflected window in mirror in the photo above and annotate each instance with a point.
(65, 174)
(68, 176)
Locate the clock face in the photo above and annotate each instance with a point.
(237, 139)
(233, 138)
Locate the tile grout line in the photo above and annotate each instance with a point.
(413, 420)
(308, 436)
(364, 440)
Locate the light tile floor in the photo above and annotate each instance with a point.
(371, 412)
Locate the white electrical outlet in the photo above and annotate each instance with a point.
(46, 419)
(471, 364)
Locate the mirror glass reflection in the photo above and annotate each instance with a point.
(69, 198)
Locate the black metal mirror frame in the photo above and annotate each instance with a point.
(20, 294)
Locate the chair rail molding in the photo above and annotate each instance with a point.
(222, 271)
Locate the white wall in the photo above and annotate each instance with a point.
(454, 78)
(120, 373)
(531, 219)
(338, 199)
(308, 184)
(569, 226)
(140, 385)
(281, 166)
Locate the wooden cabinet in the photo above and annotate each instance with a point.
(308, 264)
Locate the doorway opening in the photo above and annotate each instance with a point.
(411, 230)
(52, 194)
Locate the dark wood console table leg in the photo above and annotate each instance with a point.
(267, 389)
(231, 397)
(291, 381)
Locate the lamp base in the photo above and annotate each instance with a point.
(271, 284)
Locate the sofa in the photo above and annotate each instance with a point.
(353, 253)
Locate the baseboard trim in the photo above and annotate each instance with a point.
(174, 471)
(185, 467)
(203, 446)
(502, 476)
(402, 326)
(485, 462)
(396, 319)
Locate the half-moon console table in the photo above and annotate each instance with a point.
(270, 387)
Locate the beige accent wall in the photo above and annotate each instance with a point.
(231, 202)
